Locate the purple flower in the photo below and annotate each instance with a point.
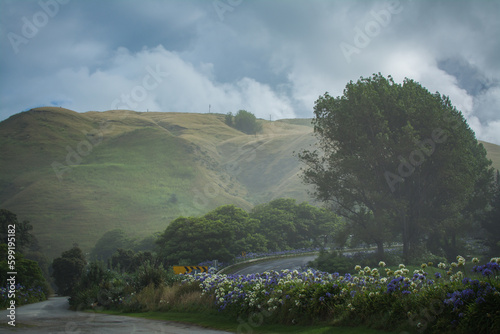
(487, 272)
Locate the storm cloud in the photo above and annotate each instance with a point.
(273, 58)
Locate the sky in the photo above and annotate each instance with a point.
(273, 58)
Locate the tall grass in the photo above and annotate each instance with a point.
(186, 297)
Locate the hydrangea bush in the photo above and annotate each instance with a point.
(23, 295)
(384, 298)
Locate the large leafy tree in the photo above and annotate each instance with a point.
(219, 235)
(491, 220)
(287, 225)
(394, 158)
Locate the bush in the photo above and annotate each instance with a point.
(151, 273)
(246, 122)
(333, 262)
(381, 298)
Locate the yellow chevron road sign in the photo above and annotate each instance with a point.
(190, 269)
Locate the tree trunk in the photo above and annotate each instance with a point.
(380, 250)
(406, 239)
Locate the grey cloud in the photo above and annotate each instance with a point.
(285, 50)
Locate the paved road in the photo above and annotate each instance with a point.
(291, 263)
(53, 316)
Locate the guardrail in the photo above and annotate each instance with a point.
(272, 257)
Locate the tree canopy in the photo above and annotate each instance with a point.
(24, 239)
(397, 160)
(244, 121)
(68, 269)
(228, 231)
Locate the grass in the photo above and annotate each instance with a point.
(128, 179)
(143, 159)
(216, 320)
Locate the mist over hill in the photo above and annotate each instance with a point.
(75, 176)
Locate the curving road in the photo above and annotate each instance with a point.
(53, 316)
(290, 263)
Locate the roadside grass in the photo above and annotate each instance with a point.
(220, 321)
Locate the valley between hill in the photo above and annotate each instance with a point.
(75, 176)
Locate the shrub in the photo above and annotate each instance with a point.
(151, 273)
(397, 300)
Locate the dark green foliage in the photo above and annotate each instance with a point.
(98, 287)
(228, 119)
(333, 263)
(68, 269)
(228, 231)
(18, 251)
(29, 275)
(491, 221)
(246, 122)
(220, 234)
(25, 241)
(150, 273)
(128, 261)
(286, 225)
(107, 245)
(397, 160)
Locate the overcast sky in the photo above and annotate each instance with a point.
(273, 58)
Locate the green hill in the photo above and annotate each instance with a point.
(75, 176)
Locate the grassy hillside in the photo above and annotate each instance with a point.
(75, 176)
(137, 171)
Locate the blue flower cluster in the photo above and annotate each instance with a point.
(490, 269)
(23, 295)
(298, 292)
(475, 291)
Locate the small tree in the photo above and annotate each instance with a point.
(246, 122)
